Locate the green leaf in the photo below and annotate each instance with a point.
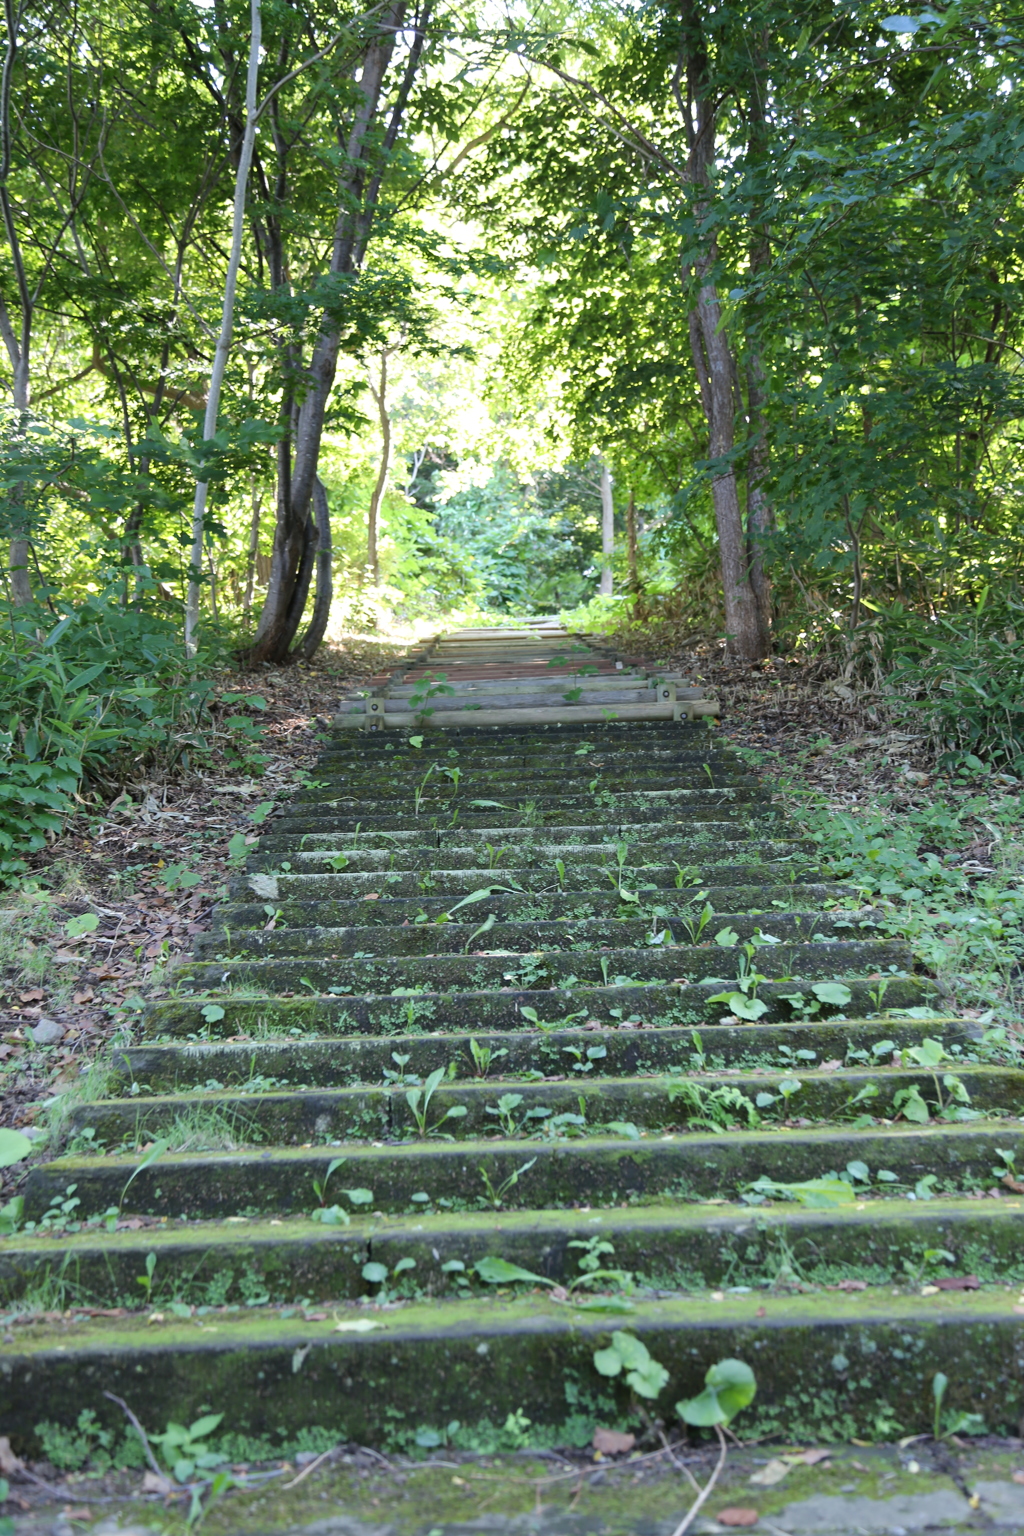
(494, 1271)
(204, 1426)
(212, 1012)
(359, 1196)
(832, 992)
(14, 1148)
(727, 937)
(87, 922)
(376, 1274)
(729, 1387)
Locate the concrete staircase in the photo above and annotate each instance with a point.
(561, 994)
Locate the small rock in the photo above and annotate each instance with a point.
(47, 1032)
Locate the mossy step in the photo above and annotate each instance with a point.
(670, 1248)
(421, 847)
(552, 903)
(524, 937)
(516, 752)
(593, 1102)
(328, 1061)
(535, 867)
(582, 881)
(556, 789)
(594, 1170)
(831, 960)
(431, 1362)
(642, 822)
(644, 738)
(668, 777)
(475, 1010)
(725, 803)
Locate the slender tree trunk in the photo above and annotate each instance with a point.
(759, 510)
(19, 549)
(18, 341)
(607, 532)
(712, 358)
(223, 348)
(254, 543)
(760, 517)
(379, 394)
(324, 575)
(360, 191)
(634, 575)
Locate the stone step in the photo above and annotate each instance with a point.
(552, 903)
(523, 937)
(252, 1012)
(327, 1061)
(582, 883)
(595, 1104)
(597, 1170)
(831, 960)
(432, 1362)
(753, 1249)
(267, 1137)
(712, 844)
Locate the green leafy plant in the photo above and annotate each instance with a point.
(375, 1273)
(958, 1423)
(729, 1387)
(155, 1152)
(336, 1215)
(418, 1100)
(715, 1108)
(496, 1194)
(186, 1450)
(628, 1356)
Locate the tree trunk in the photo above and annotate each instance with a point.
(759, 510)
(223, 348)
(17, 342)
(712, 358)
(634, 575)
(373, 512)
(365, 160)
(310, 642)
(254, 543)
(607, 532)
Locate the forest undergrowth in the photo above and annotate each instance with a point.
(941, 848)
(112, 903)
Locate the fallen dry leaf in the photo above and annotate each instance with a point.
(1017, 1477)
(774, 1472)
(811, 1457)
(737, 1515)
(1012, 1183)
(958, 1283)
(613, 1442)
(830, 1066)
(849, 1285)
(8, 1461)
(152, 1482)
(77, 1513)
